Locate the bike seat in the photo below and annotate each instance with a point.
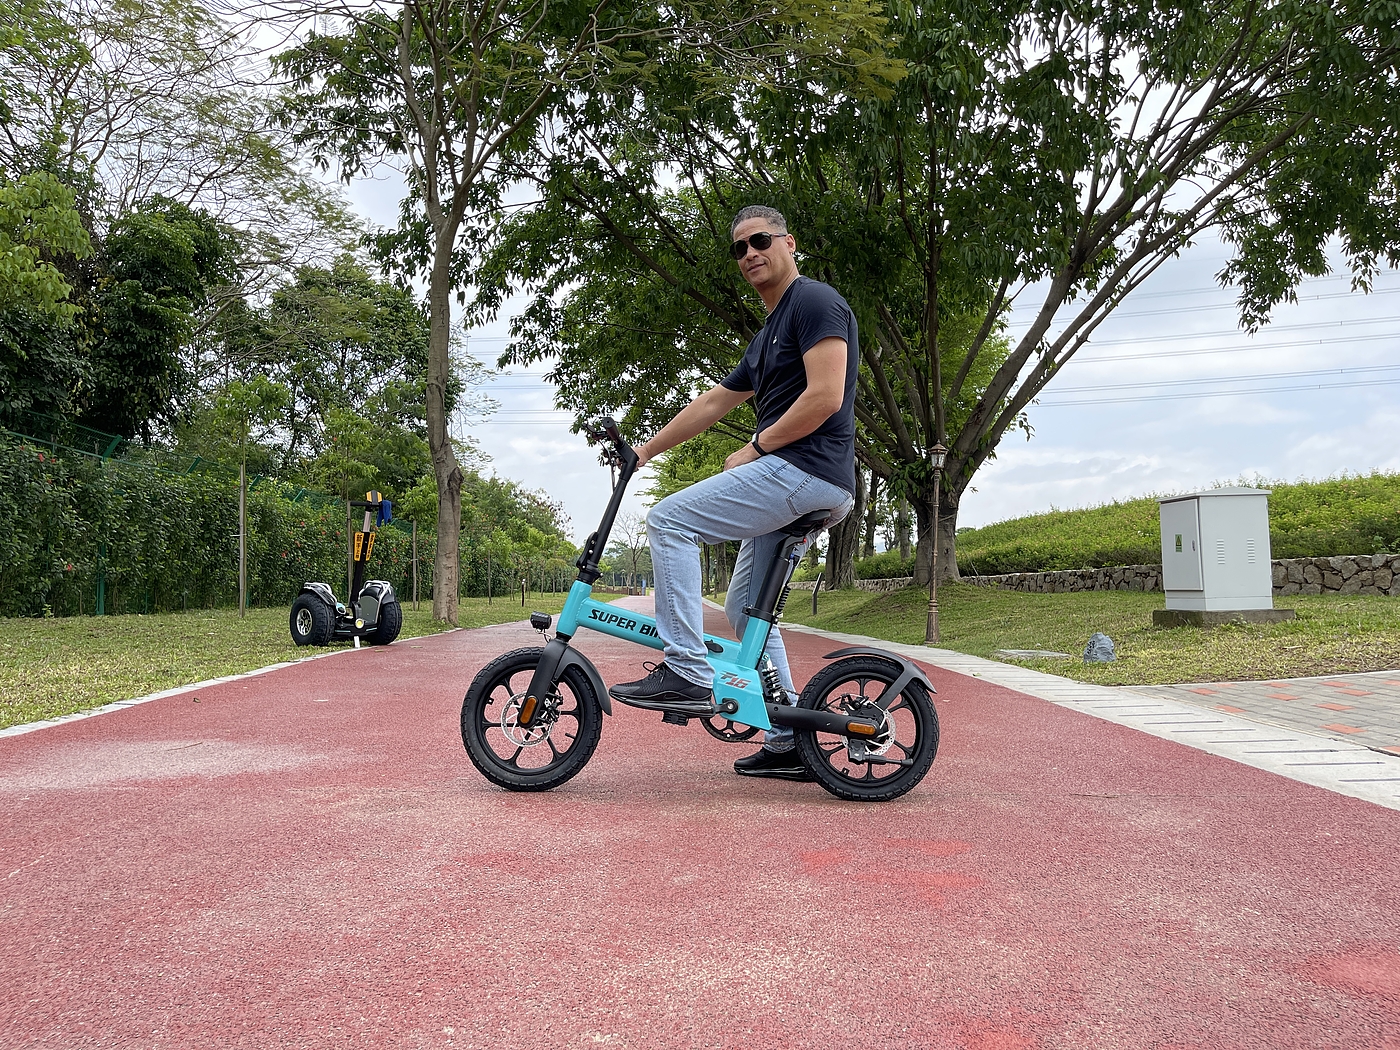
(806, 523)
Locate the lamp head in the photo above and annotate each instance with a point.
(938, 454)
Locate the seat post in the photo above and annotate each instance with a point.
(774, 581)
(780, 570)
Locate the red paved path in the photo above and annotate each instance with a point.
(261, 869)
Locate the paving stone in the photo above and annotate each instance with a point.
(1372, 704)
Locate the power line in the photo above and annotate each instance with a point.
(1183, 336)
(1228, 306)
(1308, 283)
(1225, 349)
(1267, 377)
(1211, 393)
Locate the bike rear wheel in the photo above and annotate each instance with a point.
(869, 769)
(559, 742)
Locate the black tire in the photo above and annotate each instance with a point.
(311, 622)
(911, 734)
(389, 625)
(573, 717)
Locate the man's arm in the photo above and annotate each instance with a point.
(709, 408)
(825, 364)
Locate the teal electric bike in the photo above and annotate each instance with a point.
(865, 726)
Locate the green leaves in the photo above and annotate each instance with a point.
(38, 223)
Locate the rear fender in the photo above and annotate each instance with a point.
(381, 589)
(556, 658)
(908, 671)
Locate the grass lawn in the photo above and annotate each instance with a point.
(1330, 636)
(55, 667)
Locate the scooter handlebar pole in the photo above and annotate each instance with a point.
(607, 429)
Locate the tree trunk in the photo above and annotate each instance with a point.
(243, 538)
(901, 528)
(872, 507)
(705, 568)
(844, 541)
(947, 538)
(446, 563)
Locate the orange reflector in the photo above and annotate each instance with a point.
(861, 728)
(528, 711)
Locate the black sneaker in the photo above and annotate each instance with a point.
(781, 765)
(664, 690)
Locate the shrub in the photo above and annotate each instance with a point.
(887, 565)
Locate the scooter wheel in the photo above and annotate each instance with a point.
(559, 742)
(729, 731)
(311, 621)
(873, 769)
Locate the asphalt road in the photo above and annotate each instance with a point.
(308, 859)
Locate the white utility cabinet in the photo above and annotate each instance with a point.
(1215, 550)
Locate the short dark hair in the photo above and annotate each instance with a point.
(759, 211)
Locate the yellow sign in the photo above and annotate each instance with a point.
(359, 545)
(372, 497)
(370, 549)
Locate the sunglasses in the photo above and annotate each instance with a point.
(761, 240)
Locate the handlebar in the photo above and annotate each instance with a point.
(606, 429)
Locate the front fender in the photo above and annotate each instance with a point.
(556, 658)
(909, 671)
(320, 590)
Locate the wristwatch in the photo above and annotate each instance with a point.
(757, 447)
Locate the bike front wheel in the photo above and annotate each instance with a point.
(869, 769)
(558, 743)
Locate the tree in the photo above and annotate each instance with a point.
(1061, 151)
(453, 90)
(340, 338)
(160, 264)
(41, 366)
(630, 546)
(140, 99)
(446, 89)
(239, 411)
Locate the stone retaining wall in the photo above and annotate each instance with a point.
(878, 586)
(1344, 574)
(1114, 578)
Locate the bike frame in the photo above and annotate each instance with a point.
(738, 690)
(735, 663)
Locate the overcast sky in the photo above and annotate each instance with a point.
(1170, 396)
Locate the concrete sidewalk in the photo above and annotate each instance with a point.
(1361, 708)
(1244, 727)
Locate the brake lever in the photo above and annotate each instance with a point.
(601, 434)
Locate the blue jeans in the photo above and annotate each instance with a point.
(749, 503)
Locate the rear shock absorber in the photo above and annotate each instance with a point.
(773, 691)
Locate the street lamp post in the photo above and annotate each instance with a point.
(938, 454)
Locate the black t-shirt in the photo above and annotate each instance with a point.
(772, 368)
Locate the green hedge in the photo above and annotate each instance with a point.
(887, 565)
(160, 541)
(1309, 519)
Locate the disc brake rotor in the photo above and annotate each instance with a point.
(545, 720)
(862, 707)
